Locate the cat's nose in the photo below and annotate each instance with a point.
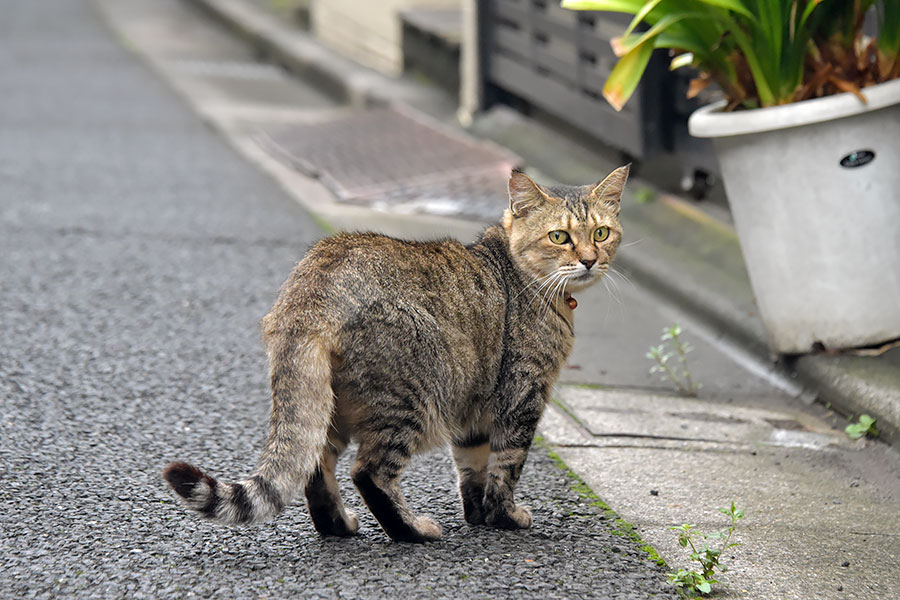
(588, 263)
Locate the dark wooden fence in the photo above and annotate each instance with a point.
(558, 60)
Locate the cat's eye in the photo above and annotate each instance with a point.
(601, 234)
(558, 236)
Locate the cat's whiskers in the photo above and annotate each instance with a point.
(550, 298)
(608, 304)
(612, 289)
(618, 273)
(558, 293)
(544, 289)
(536, 281)
(615, 278)
(559, 290)
(546, 282)
(545, 311)
(562, 290)
(549, 293)
(560, 297)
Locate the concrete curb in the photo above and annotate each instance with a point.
(685, 255)
(857, 385)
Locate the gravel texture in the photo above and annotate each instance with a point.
(138, 255)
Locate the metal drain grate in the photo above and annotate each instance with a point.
(394, 160)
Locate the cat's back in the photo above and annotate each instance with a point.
(382, 260)
(384, 304)
(345, 274)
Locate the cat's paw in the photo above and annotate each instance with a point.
(427, 528)
(474, 512)
(474, 517)
(351, 523)
(518, 518)
(522, 517)
(335, 522)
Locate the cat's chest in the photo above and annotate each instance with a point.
(546, 335)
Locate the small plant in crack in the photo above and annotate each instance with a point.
(865, 426)
(691, 582)
(677, 371)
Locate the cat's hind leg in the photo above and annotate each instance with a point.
(323, 497)
(379, 462)
(471, 455)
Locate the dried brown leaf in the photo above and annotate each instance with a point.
(697, 85)
(814, 82)
(846, 86)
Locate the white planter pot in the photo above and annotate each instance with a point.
(817, 215)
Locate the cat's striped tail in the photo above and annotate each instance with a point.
(302, 403)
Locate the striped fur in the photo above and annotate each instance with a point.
(302, 403)
(403, 346)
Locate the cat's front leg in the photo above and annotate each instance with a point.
(501, 511)
(511, 438)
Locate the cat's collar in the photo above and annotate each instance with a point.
(570, 300)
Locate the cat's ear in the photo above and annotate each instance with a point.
(609, 191)
(524, 194)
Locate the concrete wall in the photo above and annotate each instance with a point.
(368, 31)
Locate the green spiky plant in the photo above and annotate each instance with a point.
(760, 52)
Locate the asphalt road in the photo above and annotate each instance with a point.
(138, 254)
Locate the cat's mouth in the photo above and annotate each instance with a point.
(584, 278)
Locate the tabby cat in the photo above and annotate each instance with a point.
(403, 346)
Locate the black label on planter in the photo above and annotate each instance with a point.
(858, 159)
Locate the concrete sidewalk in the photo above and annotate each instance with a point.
(823, 513)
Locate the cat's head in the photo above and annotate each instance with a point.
(564, 233)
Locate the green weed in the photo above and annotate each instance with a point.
(865, 426)
(678, 374)
(694, 583)
(644, 195)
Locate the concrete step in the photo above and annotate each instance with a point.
(431, 44)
